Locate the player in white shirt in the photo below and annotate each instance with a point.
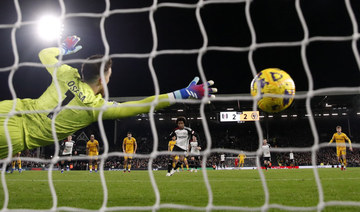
(222, 161)
(292, 161)
(183, 135)
(67, 151)
(266, 154)
(195, 152)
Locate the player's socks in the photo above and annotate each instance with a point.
(62, 171)
(171, 165)
(90, 168)
(125, 166)
(96, 166)
(187, 167)
(345, 163)
(129, 167)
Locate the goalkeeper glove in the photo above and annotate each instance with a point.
(68, 46)
(194, 90)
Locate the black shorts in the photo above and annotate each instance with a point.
(266, 159)
(179, 150)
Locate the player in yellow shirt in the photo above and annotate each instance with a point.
(129, 147)
(171, 145)
(340, 138)
(241, 157)
(92, 150)
(70, 90)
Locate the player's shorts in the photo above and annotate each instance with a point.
(93, 155)
(266, 159)
(241, 161)
(178, 149)
(340, 151)
(128, 157)
(67, 157)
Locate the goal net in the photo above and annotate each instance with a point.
(158, 46)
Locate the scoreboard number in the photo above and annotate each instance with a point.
(229, 116)
(249, 116)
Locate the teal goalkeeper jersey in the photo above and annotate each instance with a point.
(35, 128)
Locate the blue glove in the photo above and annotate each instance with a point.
(68, 46)
(195, 91)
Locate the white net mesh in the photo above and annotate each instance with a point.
(205, 47)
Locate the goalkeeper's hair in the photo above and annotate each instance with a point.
(91, 71)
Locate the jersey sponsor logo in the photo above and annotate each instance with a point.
(75, 89)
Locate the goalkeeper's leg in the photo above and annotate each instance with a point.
(14, 128)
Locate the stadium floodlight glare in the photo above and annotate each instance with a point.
(49, 27)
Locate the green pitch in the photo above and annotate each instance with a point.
(81, 189)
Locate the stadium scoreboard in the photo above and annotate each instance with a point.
(234, 116)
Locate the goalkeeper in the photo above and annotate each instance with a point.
(32, 130)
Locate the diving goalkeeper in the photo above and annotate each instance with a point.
(32, 130)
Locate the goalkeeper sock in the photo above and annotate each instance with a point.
(187, 166)
(95, 166)
(345, 163)
(90, 167)
(129, 167)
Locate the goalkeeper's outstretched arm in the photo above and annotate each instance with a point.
(128, 109)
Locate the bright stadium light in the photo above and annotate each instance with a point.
(49, 28)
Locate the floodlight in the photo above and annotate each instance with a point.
(49, 28)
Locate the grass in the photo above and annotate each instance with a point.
(243, 188)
